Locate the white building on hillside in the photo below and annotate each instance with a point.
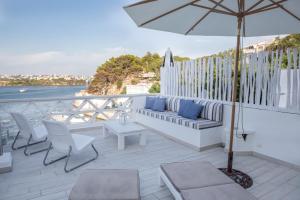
(141, 88)
(260, 46)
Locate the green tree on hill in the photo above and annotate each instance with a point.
(152, 62)
(116, 70)
(155, 88)
(180, 59)
(290, 41)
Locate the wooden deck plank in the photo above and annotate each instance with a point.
(294, 195)
(279, 192)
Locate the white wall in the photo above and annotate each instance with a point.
(276, 135)
(138, 89)
(138, 102)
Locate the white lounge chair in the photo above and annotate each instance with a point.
(63, 141)
(194, 180)
(34, 135)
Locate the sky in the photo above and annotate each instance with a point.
(76, 36)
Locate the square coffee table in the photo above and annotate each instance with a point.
(123, 130)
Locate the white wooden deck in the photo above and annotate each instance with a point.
(31, 180)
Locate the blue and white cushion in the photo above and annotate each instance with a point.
(172, 117)
(212, 110)
(173, 104)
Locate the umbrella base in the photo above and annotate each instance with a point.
(239, 177)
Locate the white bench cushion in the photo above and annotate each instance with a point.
(211, 110)
(174, 118)
(173, 104)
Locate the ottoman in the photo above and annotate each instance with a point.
(107, 184)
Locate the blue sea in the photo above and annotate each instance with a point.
(21, 92)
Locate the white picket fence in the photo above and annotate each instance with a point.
(260, 83)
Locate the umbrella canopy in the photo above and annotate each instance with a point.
(218, 17)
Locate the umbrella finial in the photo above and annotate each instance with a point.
(168, 59)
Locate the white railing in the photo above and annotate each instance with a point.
(263, 82)
(69, 110)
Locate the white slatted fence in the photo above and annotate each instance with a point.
(263, 81)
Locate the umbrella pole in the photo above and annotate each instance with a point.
(238, 176)
(234, 94)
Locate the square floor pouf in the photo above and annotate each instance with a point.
(107, 184)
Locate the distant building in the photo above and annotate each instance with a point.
(260, 46)
(141, 88)
(148, 75)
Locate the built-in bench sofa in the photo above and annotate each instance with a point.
(203, 133)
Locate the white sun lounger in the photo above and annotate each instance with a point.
(194, 180)
(33, 135)
(69, 144)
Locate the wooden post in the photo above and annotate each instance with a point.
(235, 80)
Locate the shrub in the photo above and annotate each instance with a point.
(119, 84)
(155, 88)
(134, 81)
(124, 91)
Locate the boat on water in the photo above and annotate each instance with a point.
(23, 90)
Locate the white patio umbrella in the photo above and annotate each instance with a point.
(168, 58)
(168, 61)
(219, 18)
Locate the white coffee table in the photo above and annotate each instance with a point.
(123, 130)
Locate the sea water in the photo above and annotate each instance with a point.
(22, 92)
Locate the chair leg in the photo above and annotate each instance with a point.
(34, 152)
(69, 155)
(53, 161)
(23, 146)
(14, 142)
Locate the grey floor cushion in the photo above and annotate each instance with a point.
(194, 174)
(110, 184)
(218, 192)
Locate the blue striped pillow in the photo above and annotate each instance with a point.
(212, 110)
(173, 104)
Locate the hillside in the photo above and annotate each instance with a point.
(290, 41)
(27, 81)
(112, 76)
